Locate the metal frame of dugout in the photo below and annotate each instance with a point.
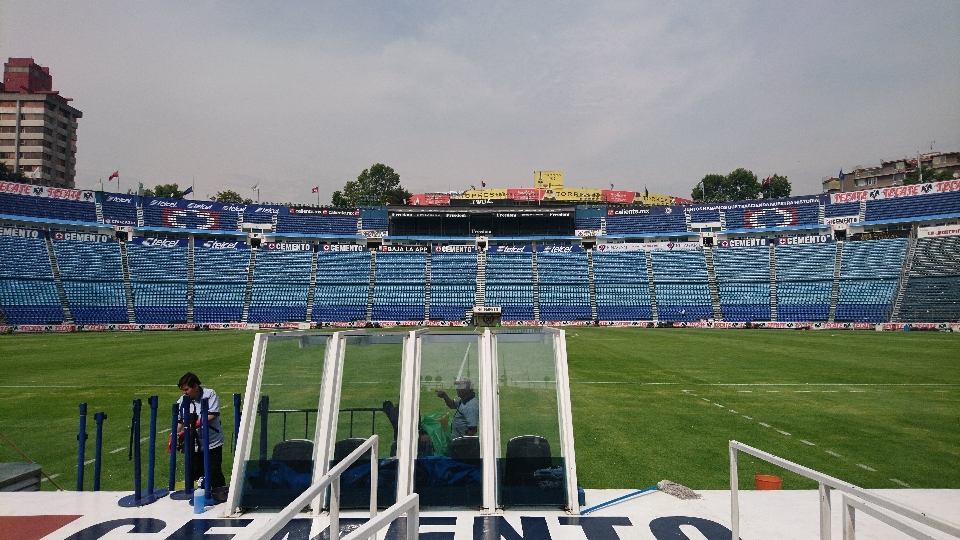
(522, 453)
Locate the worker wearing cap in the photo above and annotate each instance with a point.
(467, 417)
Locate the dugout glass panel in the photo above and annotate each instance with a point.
(448, 469)
(368, 402)
(279, 462)
(531, 469)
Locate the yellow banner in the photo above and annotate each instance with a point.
(548, 179)
(655, 200)
(483, 194)
(585, 195)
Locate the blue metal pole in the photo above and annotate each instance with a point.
(81, 443)
(137, 405)
(173, 449)
(236, 421)
(152, 452)
(98, 449)
(205, 424)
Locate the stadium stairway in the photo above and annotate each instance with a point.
(372, 281)
(712, 283)
(835, 291)
(312, 293)
(536, 286)
(904, 274)
(190, 282)
(481, 278)
(127, 287)
(248, 295)
(593, 287)
(61, 292)
(773, 283)
(653, 289)
(426, 285)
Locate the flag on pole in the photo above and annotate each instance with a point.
(36, 173)
(116, 174)
(842, 176)
(645, 192)
(255, 187)
(767, 181)
(483, 184)
(187, 191)
(316, 189)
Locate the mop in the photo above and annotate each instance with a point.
(666, 486)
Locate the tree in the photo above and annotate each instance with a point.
(168, 191)
(376, 186)
(9, 175)
(739, 185)
(929, 175)
(230, 196)
(777, 187)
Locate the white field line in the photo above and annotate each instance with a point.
(763, 424)
(867, 467)
(900, 482)
(44, 479)
(89, 461)
(782, 432)
(122, 448)
(719, 405)
(832, 453)
(806, 442)
(748, 417)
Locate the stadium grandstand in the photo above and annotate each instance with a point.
(85, 258)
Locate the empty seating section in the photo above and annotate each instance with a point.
(92, 278)
(119, 210)
(672, 222)
(623, 290)
(45, 207)
(28, 294)
(841, 209)
(869, 274)
(564, 286)
(680, 284)
(743, 281)
(932, 293)
(180, 218)
(762, 218)
(219, 284)
(343, 285)
(258, 217)
(509, 285)
(588, 223)
(375, 224)
(158, 279)
(804, 281)
(916, 206)
(453, 285)
(281, 282)
(399, 287)
(705, 216)
(310, 224)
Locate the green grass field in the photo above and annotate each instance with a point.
(881, 410)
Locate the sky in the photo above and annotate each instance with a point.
(637, 94)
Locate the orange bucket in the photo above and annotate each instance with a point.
(768, 482)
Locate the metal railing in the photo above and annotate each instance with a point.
(409, 504)
(826, 484)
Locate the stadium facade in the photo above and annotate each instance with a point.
(73, 257)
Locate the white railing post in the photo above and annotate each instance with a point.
(849, 521)
(825, 511)
(734, 494)
(374, 485)
(335, 509)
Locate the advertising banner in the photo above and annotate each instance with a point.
(525, 194)
(627, 211)
(510, 249)
(20, 233)
(845, 220)
(797, 240)
(180, 218)
(429, 199)
(548, 179)
(587, 232)
(742, 242)
(454, 249)
(48, 192)
(934, 232)
(559, 249)
(287, 246)
(161, 242)
(648, 246)
(69, 236)
(762, 203)
(404, 249)
(619, 197)
(220, 244)
(897, 191)
(341, 247)
(322, 212)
